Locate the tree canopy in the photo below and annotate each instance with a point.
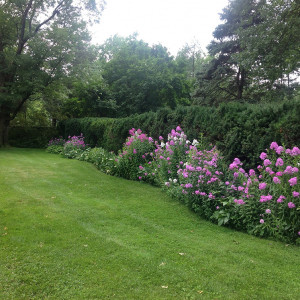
(254, 50)
(40, 41)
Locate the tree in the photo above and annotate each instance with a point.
(39, 42)
(190, 59)
(141, 78)
(254, 53)
(228, 74)
(271, 49)
(90, 95)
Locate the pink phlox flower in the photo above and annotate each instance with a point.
(134, 151)
(208, 173)
(295, 170)
(261, 221)
(268, 211)
(279, 150)
(240, 188)
(211, 196)
(280, 199)
(296, 194)
(251, 172)
(279, 174)
(295, 151)
(185, 174)
(214, 179)
(267, 162)
(233, 166)
(263, 156)
(190, 167)
(269, 170)
(291, 205)
(293, 181)
(239, 201)
(132, 131)
(178, 128)
(274, 146)
(234, 187)
(237, 161)
(265, 198)
(242, 170)
(279, 162)
(276, 180)
(262, 186)
(288, 170)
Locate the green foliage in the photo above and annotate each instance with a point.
(104, 161)
(31, 137)
(41, 42)
(55, 149)
(137, 151)
(266, 204)
(141, 78)
(74, 146)
(254, 54)
(238, 130)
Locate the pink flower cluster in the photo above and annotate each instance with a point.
(76, 141)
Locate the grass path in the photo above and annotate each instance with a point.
(67, 231)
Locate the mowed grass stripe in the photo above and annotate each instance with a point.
(67, 231)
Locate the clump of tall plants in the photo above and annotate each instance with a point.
(263, 202)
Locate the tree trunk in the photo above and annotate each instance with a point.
(240, 83)
(4, 124)
(54, 122)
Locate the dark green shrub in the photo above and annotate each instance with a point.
(31, 137)
(237, 129)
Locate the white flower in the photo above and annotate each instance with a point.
(162, 144)
(175, 180)
(195, 142)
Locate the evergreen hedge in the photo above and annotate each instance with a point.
(238, 129)
(31, 137)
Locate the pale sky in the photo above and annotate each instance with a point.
(172, 23)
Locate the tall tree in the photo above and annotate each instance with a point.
(271, 49)
(140, 77)
(255, 54)
(39, 41)
(227, 77)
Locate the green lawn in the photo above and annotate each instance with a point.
(67, 231)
